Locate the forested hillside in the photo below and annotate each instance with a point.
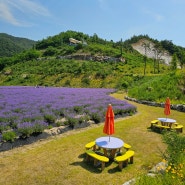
(10, 45)
(75, 59)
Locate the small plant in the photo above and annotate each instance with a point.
(67, 83)
(61, 112)
(81, 119)
(78, 109)
(176, 147)
(25, 129)
(86, 81)
(17, 110)
(9, 136)
(39, 127)
(72, 122)
(3, 126)
(50, 126)
(176, 171)
(50, 119)
(58, 123)
(96, 117)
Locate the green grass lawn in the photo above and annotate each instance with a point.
(60, 159)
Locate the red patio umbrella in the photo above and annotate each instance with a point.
(109, 121)
(167, 107)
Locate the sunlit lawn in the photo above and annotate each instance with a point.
(60, 160)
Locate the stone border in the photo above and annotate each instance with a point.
(178, 107)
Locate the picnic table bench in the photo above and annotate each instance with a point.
(156, 126)
(96, 157)
(124, 159)
(90, 145)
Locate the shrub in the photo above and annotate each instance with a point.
(50, 51)
(39, 127)
(86, 118)
(50, 119)
(96, 117)
(50, 126)
(72, 122)
(78, 109)
(62, 112)
(86, 81)
(3, 126)
(58, 124)
(176, 147)
(83, 118)
(9, 136)
(67, 83)
(13, 121)
(101, 74)
(25, 129)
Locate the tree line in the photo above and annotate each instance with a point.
(59, 45)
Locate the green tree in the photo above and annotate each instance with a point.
(31, 54)
(121, 47)
(169, 46)
(50, 51)
(158, 52)
(174, 62)
(181, 57)
(26, 56)
(146, 46)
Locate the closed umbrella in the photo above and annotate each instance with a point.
(109, 121)
(167, 107)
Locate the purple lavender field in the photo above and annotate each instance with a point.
(28, 110)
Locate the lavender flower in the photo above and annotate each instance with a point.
(25, 106)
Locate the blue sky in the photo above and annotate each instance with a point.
(109, 19)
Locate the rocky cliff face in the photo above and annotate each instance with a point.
(150, 53)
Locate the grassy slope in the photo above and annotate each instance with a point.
(59, 160)
(57, 72)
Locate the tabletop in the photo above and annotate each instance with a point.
(109, 143)
(167, 120)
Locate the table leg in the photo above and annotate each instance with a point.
(113, 152)
(105, 152)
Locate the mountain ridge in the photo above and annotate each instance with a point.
(10, 45)
(60, 45)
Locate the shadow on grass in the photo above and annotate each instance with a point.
(114, 170)
(90, 164)
(157, 131)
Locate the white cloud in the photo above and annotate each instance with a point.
(5, 14)
(9, 10)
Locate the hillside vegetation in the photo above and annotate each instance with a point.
(56, 61)
(10, 45)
